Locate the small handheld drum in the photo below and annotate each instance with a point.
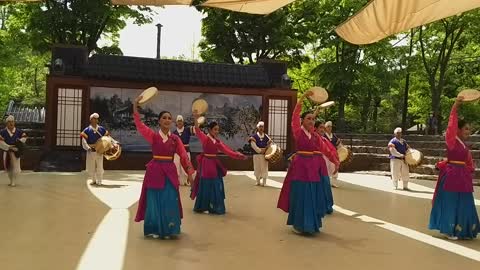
(273, 153)
(108, 147)
(344, 154)
(320, 95)
(114, 153)
(200, 105)
(148, 94)
(413, 157)
(469, 94)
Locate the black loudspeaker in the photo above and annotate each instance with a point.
(276, 71)
(68, 60)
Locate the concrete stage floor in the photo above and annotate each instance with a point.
(57, 221)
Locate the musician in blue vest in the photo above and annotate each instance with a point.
(260, 142)
(335, 141)
(398, 167)
(184, 132)
(11, 138)
(94, 161)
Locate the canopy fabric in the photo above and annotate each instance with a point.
(152, 2)
(382, 18)
(249, 6)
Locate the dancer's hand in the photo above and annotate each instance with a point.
(137, 100)
(459, 100)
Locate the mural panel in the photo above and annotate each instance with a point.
(236, 114)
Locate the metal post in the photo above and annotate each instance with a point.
(159, 37)
(407, 85)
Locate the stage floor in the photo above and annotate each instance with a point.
(57, 221)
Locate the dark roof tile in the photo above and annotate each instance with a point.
(112, 67)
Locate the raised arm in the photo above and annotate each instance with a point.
(143, 129)
(296, 121)
(452, 128)
(228, 151)
(146, 132)
(200, 135)
(184, 160)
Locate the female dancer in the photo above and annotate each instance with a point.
(302, 194)
(208, 188)
(159, 203)
(453, 211)
(329, 154)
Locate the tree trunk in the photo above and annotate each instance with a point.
(341, 115)
(377, 101)
(407, 85)
(366, 107)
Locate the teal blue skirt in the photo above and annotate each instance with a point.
(210, 196)
(327, 189)
(454, 214)
(162, 215)
(307, 206)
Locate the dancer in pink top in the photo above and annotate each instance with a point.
(160, 206)
(453, 211)
(302, 194)
(208, 188)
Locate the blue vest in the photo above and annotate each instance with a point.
(261, 143)
(11, 140)
(334, 139)
(92, 136)
(401, 148)
(185, 135)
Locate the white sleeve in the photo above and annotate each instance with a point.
(4, 146)
(85, 145)
(394, 152)
(255, 147)
(23, 140)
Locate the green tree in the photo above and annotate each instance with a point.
(234, 37)
(438, 42)
(76, 22)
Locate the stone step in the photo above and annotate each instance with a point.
(440, 153)
(476, 182)
(424, 169)
(410, 137)
(414, 144)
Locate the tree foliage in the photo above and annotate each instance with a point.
(76, 22)
(28, 31)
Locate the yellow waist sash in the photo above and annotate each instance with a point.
(163, 157)
(456, 162)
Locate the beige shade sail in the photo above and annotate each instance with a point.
(151, 2)
(382, 18)
(249, 6)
